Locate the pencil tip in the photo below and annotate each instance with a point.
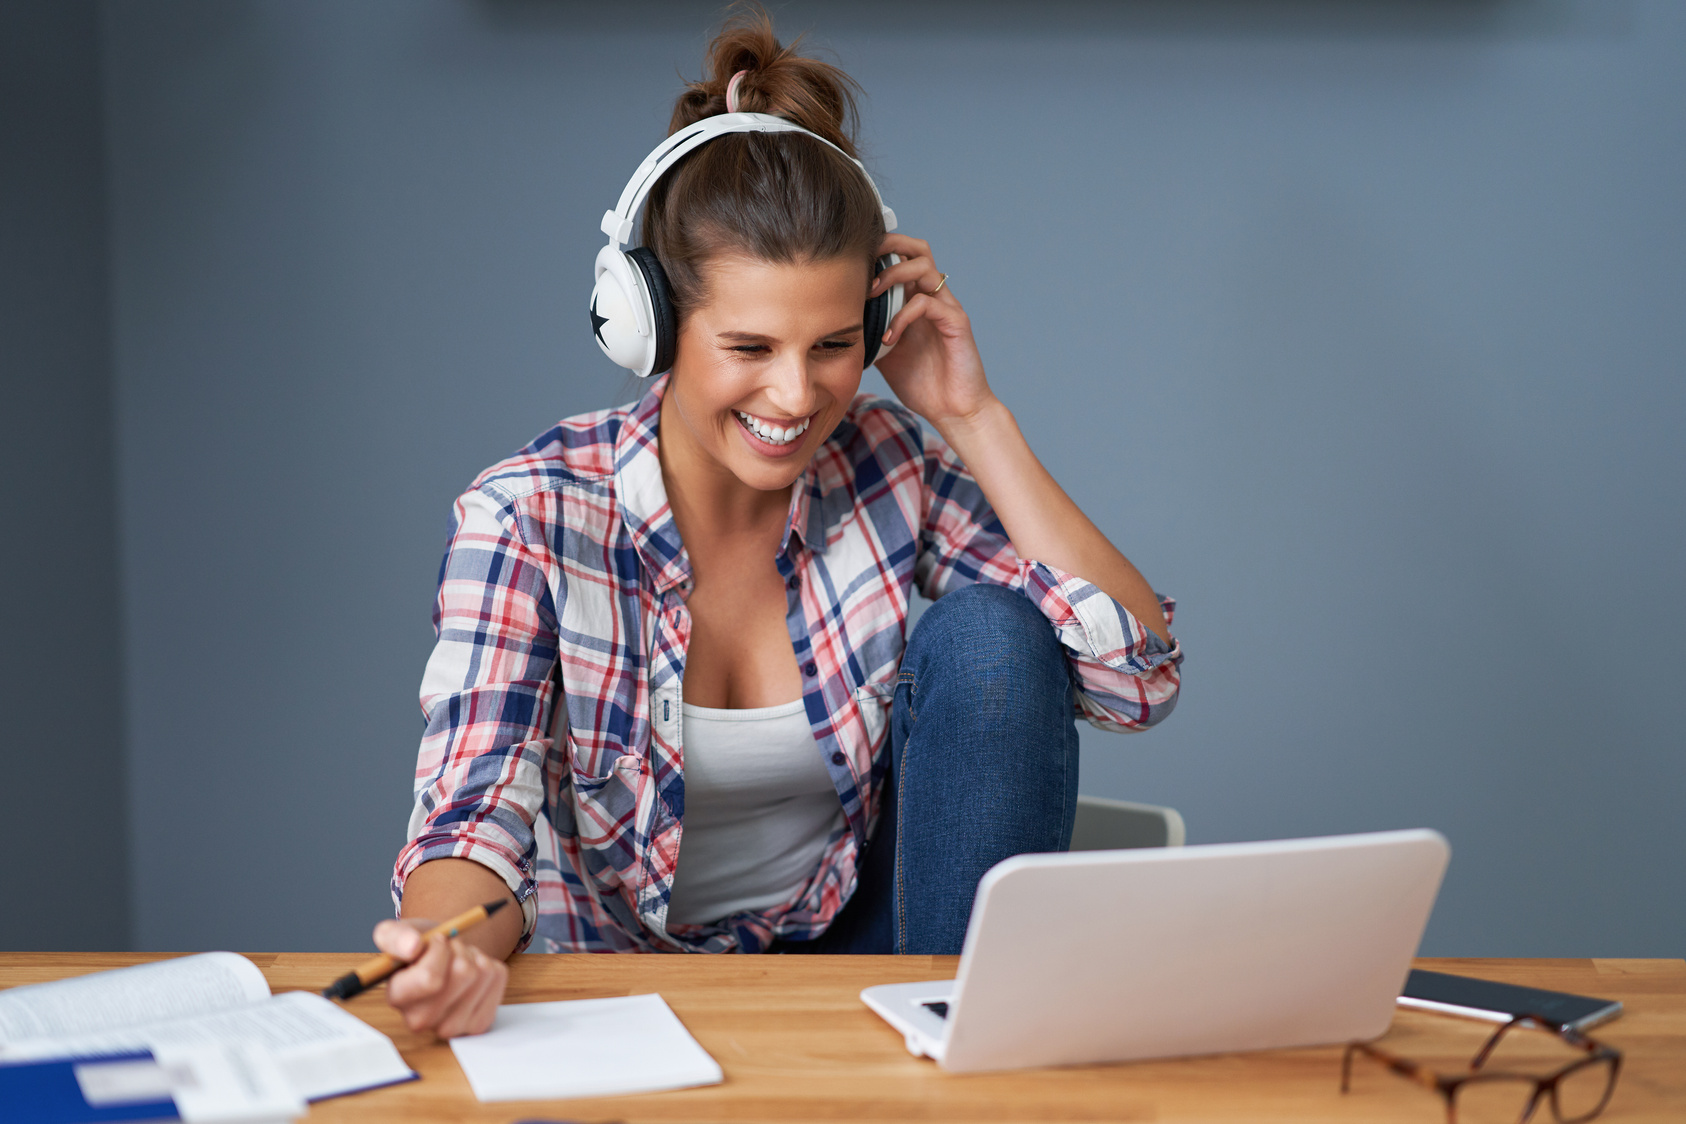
(345, 987)
(493, 907)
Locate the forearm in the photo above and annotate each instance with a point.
(1043, 522)
(441, 889)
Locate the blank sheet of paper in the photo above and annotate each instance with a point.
(583, 1048)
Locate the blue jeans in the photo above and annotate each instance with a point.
(983, 766)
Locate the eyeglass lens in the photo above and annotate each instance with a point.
(1496, 1099)
(1583, 1092)
(1580, 1094)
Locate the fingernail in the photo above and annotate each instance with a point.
(886, 337)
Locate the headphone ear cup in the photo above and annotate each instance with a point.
(663, 316)
(880, 310)
(618, 306)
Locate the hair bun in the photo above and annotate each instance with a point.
(816, 95)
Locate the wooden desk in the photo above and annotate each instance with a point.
(797, 1044)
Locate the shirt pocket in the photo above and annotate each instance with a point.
(872, 701)
(605, 786)
(604, 814)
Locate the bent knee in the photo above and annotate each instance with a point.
(978, 619)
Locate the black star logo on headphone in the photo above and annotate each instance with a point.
(597, 323)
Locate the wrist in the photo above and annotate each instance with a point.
(987, 424)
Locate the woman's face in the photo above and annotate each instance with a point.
(765, 369)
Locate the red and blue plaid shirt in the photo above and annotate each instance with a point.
(552, 747)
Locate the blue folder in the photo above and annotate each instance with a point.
(47, 1092)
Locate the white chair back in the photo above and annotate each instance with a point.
(1111, 825)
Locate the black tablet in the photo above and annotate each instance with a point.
(1501, 1002)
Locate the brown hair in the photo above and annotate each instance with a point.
(775, 197)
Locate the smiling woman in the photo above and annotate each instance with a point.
(775, 356)
(674, 705)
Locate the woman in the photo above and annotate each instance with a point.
(671, 707)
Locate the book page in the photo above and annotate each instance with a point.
(187, 985)
(323, 1050)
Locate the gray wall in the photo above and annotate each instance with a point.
(64, 856)
(1356, 324)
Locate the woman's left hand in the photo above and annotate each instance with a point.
(935, 368)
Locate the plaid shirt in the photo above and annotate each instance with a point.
(552, 747)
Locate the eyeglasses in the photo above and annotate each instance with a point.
(1577, 1091)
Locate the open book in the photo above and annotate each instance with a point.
(215, 997)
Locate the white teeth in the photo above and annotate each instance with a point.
(773, 434)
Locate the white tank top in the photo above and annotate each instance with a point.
(759, 810)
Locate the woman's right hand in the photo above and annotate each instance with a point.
(450, 987)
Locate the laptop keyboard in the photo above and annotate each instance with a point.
(939, 1009)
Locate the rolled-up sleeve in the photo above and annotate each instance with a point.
(1127, 677)
(487, 696)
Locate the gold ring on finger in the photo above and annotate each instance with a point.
(943, 280)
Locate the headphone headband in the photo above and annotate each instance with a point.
(617, 224)
(632, 313)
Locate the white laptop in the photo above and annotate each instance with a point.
(1100, 956)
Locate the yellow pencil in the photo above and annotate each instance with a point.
(371, 972)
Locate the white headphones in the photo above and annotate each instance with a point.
(632, 312)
